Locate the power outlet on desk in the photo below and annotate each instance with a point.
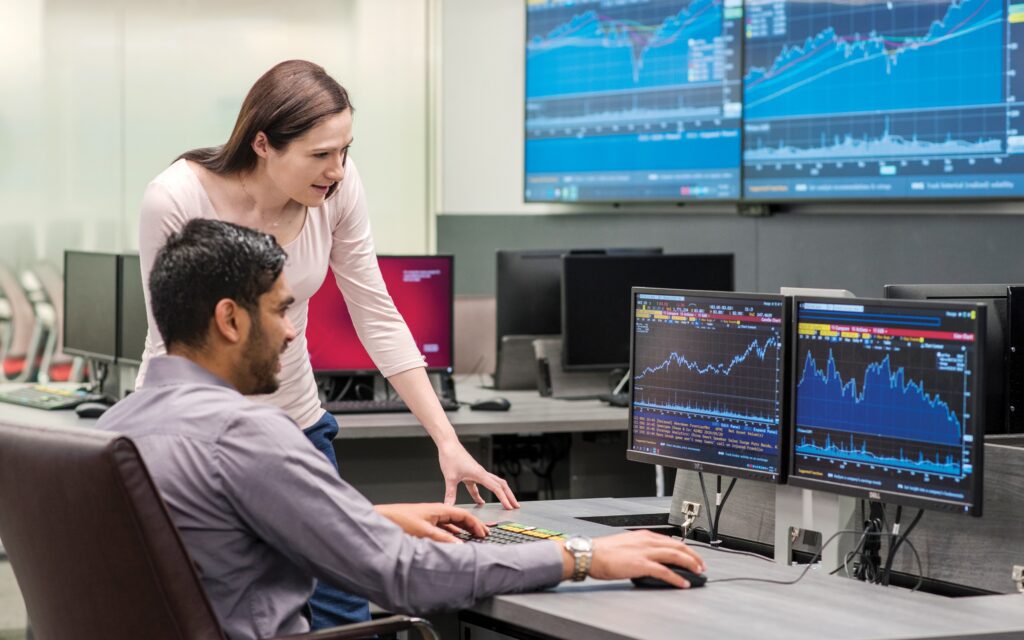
(1018, 577)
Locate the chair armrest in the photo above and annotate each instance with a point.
(391, 624)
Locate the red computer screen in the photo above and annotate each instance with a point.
(421, 287)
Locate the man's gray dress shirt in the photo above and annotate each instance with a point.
(262, 513)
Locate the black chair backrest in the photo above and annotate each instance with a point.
(91, 543)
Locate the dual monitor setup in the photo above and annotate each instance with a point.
(881, 399)
(581, 296)
(105, 316)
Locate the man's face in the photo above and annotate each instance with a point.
(269, 335)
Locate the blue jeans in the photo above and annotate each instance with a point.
(330, 606)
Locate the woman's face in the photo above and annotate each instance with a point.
(306, 168)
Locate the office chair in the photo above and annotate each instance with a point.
(94, 550)
(45, 288)
(21, 329)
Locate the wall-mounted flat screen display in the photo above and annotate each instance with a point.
(635, 100)
(880, 99)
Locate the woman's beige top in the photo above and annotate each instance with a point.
(335, 234)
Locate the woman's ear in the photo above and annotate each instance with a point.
(261, 144)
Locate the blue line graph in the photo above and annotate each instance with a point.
(941, 464)
(885, 404)
(627, 53)
(741, 387)
(887, 146)
(957, 61)
(723, 369)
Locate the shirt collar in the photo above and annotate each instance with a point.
(170, 370)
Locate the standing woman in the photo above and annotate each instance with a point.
(286, 171)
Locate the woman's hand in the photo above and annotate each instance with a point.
(434, 521)
(458, 466)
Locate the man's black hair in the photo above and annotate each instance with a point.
(204, 263)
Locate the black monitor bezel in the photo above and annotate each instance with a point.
(890, 497)
(121, 358)
(784, 378)
(109, 358)
(612, 366)
(506, 266)
(451, 324)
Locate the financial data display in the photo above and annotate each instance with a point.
(633, 100)
(883, 99)
(708, 375)
(888, 400)
(421, 288)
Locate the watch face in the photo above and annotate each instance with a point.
(581, 544)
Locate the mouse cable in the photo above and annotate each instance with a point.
(720, 549)
(920, 567)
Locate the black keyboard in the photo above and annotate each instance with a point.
(395, 405)
(43, 397)
(513, 533)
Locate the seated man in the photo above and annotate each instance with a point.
(260, 510)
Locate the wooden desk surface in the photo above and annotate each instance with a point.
(819, 606)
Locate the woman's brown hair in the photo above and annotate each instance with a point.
(286, 102)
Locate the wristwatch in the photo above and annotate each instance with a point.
(582, 550)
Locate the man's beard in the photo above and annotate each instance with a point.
(261, 360)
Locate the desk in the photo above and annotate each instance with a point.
(370, 446)
(530, 413)
(819, 606)
(596, 465)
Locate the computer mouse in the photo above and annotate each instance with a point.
(493, 404)
(695, 579)
(91, 409)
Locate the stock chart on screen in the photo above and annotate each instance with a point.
(883, 99)
(632, 100)
(887, 399)
(708, 381)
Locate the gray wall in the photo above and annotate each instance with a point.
(859, 253)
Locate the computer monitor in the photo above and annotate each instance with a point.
(1004, 344)
(528, 289)
(90, 305)
(596, 299)
(887, 401)
(708, 376)
(131, 308)
(877, 99)
(422, 289)
(633, 101)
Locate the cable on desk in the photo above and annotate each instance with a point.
(723, 549)
(920, 567)
(884, 578)
(720, 504)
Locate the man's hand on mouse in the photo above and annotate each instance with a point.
(638, 553)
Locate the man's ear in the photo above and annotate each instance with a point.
(231, 321)
(261, 144)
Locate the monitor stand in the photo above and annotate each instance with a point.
(802, 513)
(555, 382)
(516, 367)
